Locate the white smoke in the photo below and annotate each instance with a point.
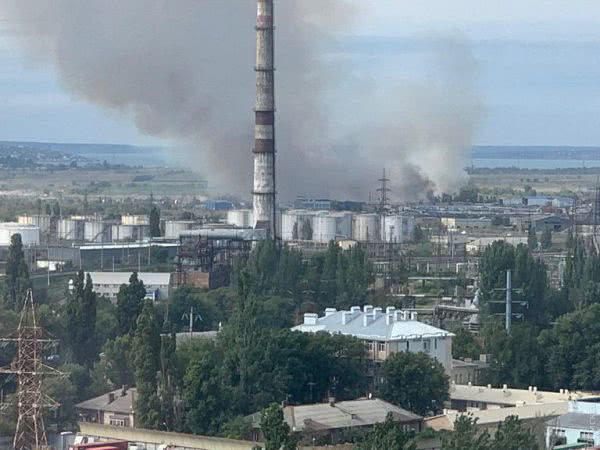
(182, 70)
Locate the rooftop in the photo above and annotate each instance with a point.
(119, 278)
(371, 323)
(512, 397)
(118, 401)
(353, 413)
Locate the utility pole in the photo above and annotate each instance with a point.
(508, 311)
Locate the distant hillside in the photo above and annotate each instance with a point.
(535, 152)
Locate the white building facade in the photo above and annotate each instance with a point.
(107, 284)
(581, 425)
(384, 332)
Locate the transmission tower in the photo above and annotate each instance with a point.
(30, 372)
(383, 193)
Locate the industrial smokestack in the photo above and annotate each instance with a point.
(264, 129)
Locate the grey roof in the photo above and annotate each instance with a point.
(353, 413)
(456, 363)
(122, 404)
(574, 420)
(382, 327)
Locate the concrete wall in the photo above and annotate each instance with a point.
(153, 439)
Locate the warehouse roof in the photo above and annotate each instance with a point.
(371, 323)
(353, 413)
(510, 396)
(119, 278)
(118, 401)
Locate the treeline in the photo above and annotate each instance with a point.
(556, 343)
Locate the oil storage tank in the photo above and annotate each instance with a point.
(97, 231)
(242, 218)
(324, 227)
(30, 234)
(71, 229)
(173, 228)
(39, 220)
(366, 228)
(297, 224)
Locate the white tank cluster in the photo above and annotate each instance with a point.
(39, 220)
(242, 218)
(173, 228)
(30, 234)
(135, 219)
(93, 229)
(129, 232)
(72, 228)
(325, 226)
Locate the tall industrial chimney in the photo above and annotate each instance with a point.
(264, 130)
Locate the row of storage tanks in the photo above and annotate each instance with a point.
(327, 226)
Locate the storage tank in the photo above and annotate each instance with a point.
(242, 218)
(132, 219)
(40, 220)
(97, 231)
(366, 228)
(130, 232)
(343, 224)
(71, 229)
(293, 221)
(174, 227)
(324, 227)
(391, 228)
(30, 234)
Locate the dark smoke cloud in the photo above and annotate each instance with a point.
(182, 70)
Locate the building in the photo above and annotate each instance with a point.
(313, 203)
(469, 397)
(335, 423)
(476, 246)
(466, 223)
(580, 425)
(465, 371)
(114, 408)
(108, 284)
(384, 333)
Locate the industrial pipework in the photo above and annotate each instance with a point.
(264, 191)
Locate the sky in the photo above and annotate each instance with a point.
(538, 71)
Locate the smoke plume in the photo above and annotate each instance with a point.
(182, 71)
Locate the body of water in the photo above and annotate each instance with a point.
(492, 163)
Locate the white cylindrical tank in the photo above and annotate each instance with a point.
(294, 221)
(343, 225)
(131, 219)
(30, 234)
(366, 228)
(97, 231)
(174, 227)
(71, 229)
(130, 232)
(391, 228)
(324, 228)
(39, 220)
(242, 218)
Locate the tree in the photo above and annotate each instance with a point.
(170, 412)
(17, 273)
(532, 240)
(464, 345)
(466, 436)
(385, 436)
(81, 317)
(117, 362)
(56, 209)
(306, 231)
(418, 234)
(275, 430)
(546, 241)
(48, 209)
(146, 354)
(154, 221)
(511, 435)
(129, 303)
(416, 382)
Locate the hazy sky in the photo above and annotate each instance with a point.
(538, 77)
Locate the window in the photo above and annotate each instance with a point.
(407, 346)
(117, 422)
(426, 345)
(435, 343)
(381, 346)
(586, 437)
(369, 346)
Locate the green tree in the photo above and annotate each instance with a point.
(464, 345)
(146, 355)
(418, 234)
(118, 361)
(17, 274)
(56, 209)
(546, 240)
(81, 317)
(466, 436)
(48, 209)
(154, 221)
(306, 230)
(170, 411)
(532, 240)
(385, 436)
(416, 382)
(276, 432)
(129, 303)
(511, 435)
